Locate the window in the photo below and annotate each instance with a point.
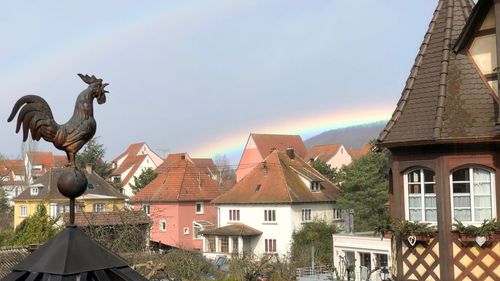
(163, 225)
(185, 230)
(315, 186)
(234, 215)
(270, 245)
(90, 186)
(34, 191)
(197, 228)
(145, 208)
(99, 207)
(117, 179)
(199, 207)
(270, 215)
(23, 211)
(235, 244)
(224, 244)
(420, 203)
(472, 194)
(306, 214)
(210, 244)
(337, 214)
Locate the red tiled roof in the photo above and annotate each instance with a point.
(356, 153)
(237, 229)
(11, 168)
(267, 142)
(205, 164)
(279, 183)
(133, 149)
(179, 181)
(47, 159)
(323, 152)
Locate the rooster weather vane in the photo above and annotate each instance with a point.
(36, 117)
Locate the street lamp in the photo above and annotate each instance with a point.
(384, 273)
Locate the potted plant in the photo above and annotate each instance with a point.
(385, 227)
(414, 232)
(468, 234)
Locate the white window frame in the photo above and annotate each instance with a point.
(163, 225)
(202, 208)
(234, 215)
(270, 216)
(315, 186)
(34, 191)
(471, 194)
(306, 214)
(196, 234)
(146, 208)
(270, 246)
(422, 193)
(23, 211)
(99, 207)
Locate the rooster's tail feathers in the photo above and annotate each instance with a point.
(35, 117)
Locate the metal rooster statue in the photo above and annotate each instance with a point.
(36, 117)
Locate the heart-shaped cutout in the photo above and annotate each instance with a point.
(480, 240)
(412, 239)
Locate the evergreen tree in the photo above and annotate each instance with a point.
(36, 229)
(93, 154)
(147, 176)
(317, 234)
(364, 188)
(326, 170)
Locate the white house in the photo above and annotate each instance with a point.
(336, 155)
(261, 212)
(12, 178)
(131, 163)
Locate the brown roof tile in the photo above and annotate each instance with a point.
(109, 218)
(177, 181)
(444, 99)
(268, 142)
(356, 153)
(237, 229)
(323, 152)
(279, 183)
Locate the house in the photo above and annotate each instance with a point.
(260, 213)
(38, 163)
(356, 153)
(364, 251)
(333, 154)
(444, 144)
(12, 178)
(100, 196)
(205, 165)
(178, 202)
(131, 163)
(259, 146)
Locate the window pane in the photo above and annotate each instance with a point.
(414, 176)
(429, 176)
(482, 214)
(461, 201)
(430, 188)
(461, 175)
(415, 215)
(482, 201)
(482, 188)
(481, 175)
(430, 202)
(415, 202)
(461, 188)
(414, 188)
(463, 215)
(431, 215)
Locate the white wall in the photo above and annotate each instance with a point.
(146, 163)
(340, 159)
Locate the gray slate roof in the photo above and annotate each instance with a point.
(9, 257)
(50, 191)
(444, 99)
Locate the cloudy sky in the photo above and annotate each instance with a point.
(199, 76)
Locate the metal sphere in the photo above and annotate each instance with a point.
(72, 183)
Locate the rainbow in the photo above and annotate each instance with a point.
(305, 126)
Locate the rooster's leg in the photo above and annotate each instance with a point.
(71, 159)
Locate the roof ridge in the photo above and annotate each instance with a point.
(413, 73)
(438, 123)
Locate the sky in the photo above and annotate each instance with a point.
(200, 76)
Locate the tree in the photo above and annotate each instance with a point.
(318, 234)
(93, 154)
(326, 170)
(364, 188)
(226, 173)
(147, 176)
(36, 229)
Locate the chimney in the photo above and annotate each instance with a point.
(88, 167)
(264, 165)
(290, 152)
(183, 156)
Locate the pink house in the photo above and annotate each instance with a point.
(178, 202)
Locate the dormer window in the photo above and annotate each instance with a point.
(34, 191)
(37, 167)
(315, 186)
(483, 50)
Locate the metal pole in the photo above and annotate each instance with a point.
(72, 211)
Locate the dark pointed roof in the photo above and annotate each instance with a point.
(445, 99)
(74, 255)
